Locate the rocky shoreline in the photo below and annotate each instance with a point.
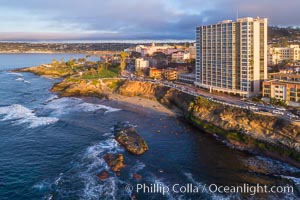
(241, 129)
(271, 136)
(128, 137)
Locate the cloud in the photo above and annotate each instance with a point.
(130, 19)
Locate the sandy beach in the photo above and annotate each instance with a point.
(138, 103)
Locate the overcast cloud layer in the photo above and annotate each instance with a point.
(131, 19)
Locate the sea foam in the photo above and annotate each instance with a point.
(19, 114)
(68, 105)
(19, 79)
(264, 165)
(16, 74)
(92, 162)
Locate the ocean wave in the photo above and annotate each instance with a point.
(83, 174)
(162, 183)
(22, 80)
(109, 134)
(94, 163)
(169, 195)
(58, 179)
(137, 167)
(205, 191)
(51, 98)
(68, 105)
(19, 79)
(294, 180)
(16, 74)
(261, 164)
(42, 186)
(22, 115)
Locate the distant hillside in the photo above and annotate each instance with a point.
(283, 36)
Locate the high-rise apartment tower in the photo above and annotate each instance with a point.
(231, 56)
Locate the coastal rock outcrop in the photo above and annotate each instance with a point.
(103, 175)
(77, 87)
(169, 97)
(128, 137)
(256, 132)
(137, 176)
(114, 161)
(271, 135)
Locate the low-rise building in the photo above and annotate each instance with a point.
(166, 74)
(149, 50)
(180, 56)
(141, 64)
(155, 73)
(295, 78)
(187, 78)
(282, 90)
(290, 70)
(277, 55)
(282, 86)
(170, 74)
(152, 61)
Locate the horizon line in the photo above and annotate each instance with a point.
(100, 41)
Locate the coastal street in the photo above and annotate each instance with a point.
(226, 100)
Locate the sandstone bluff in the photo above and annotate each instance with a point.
(245, 130)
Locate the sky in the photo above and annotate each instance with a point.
(131, 19)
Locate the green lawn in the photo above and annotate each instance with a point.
(104, 73)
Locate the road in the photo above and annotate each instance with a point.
(226, 99)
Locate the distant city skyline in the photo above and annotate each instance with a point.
(33, 20)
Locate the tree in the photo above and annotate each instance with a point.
(71, 63)
(55, 63)
(278, 102)
(123, 55)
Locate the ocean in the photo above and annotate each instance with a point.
(53, 148)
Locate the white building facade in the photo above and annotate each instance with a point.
(231, 56)
(141, 64)
(180, 56)
(278, 54)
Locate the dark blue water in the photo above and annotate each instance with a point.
(52, 148)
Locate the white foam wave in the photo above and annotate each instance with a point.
(67, 105)
(19, 79)
(49, 197)
(162, 183)
(201, 185)
(94, 163)
(168, 194)
(42, 186)
(22, 80)
(22, 115)
(57, 180)
(16, 74)
(137, 167)
(51, 98)
(266, 165)
(85, 171)
(295, 180)
(110, 134)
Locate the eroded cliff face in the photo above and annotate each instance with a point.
(246, 130)
(77, 87)
(167, 96)
(250, 130)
